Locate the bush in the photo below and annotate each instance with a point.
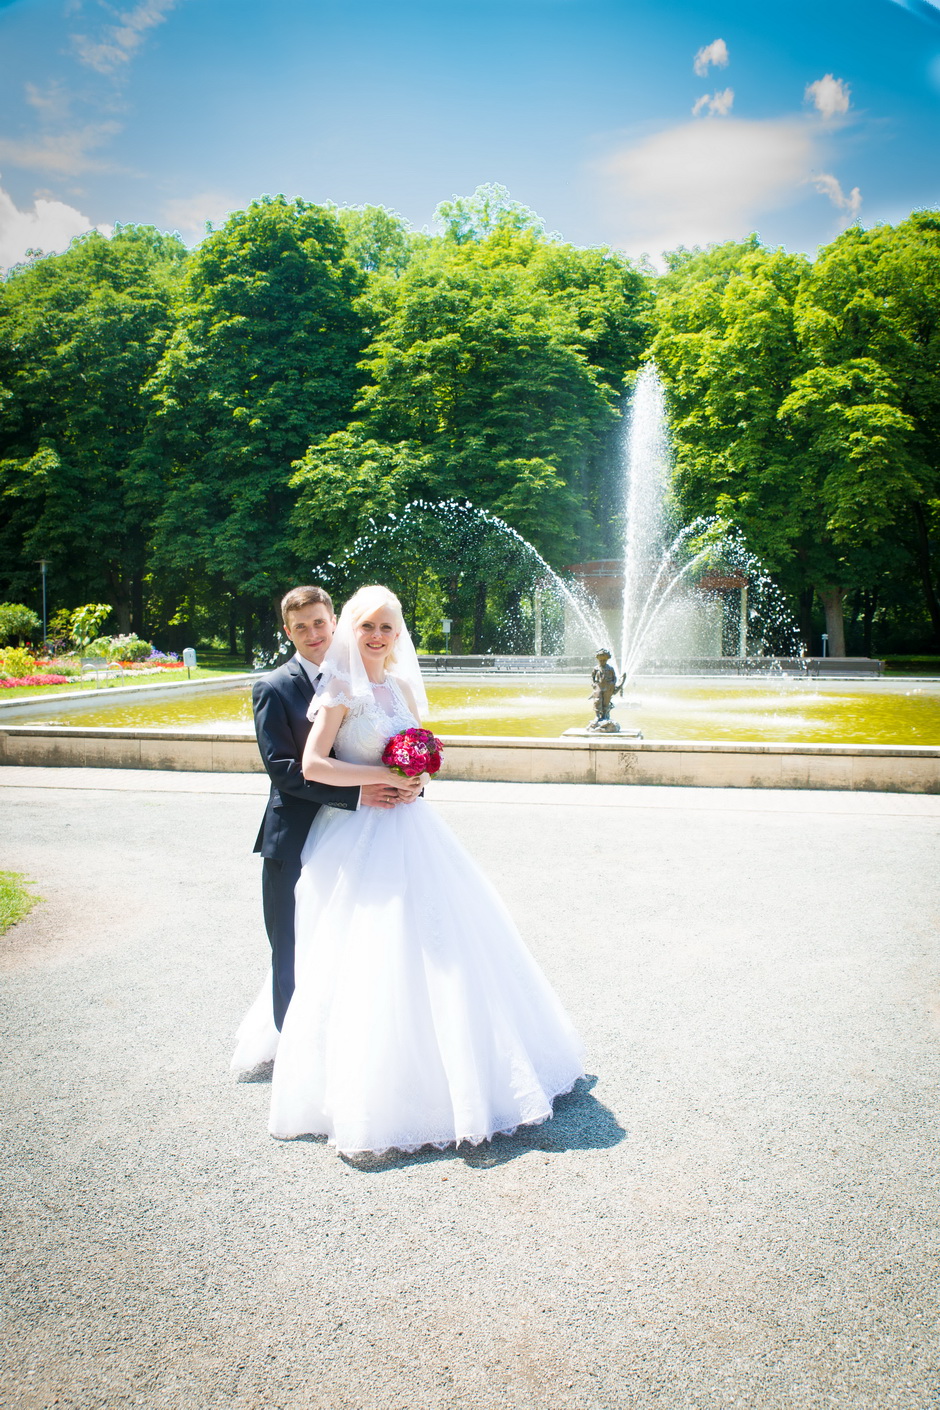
(63, 665)
(17, 662)
(101, 646)
(129, 648)
(85, 621)
(18, 623)
(60, 625)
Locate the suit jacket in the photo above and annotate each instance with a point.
(280, 703)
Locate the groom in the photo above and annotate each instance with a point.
(280, 702)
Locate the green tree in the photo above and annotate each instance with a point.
(263, 362)
(379, 241)
(502, 357)
(790, 416)
(79, 334)
(489, 211)
(869, 319)
(347, 481)
(727, 346)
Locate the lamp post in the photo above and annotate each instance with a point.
(825, 643)
(42, 565)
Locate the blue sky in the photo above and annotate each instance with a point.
(635, 123)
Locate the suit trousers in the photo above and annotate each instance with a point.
(278, 879)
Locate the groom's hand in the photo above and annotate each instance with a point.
(377, 795)
(388, 795)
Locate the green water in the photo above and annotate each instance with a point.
(826, 712)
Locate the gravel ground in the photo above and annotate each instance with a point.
(739, 1208)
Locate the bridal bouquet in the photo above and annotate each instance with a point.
(413, 752)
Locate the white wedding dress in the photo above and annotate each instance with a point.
(419, 1016)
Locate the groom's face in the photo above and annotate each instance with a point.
(311, 630)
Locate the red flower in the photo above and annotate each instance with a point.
(10, 683)
(413, 752)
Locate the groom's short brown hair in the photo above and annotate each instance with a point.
(300, 597)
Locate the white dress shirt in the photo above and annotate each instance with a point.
(313, 671)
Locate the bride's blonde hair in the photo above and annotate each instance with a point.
(366, 602)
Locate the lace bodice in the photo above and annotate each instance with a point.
(369, 724)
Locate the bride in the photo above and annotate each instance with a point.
(418, 1017)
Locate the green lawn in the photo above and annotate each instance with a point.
(212, 664)
(15, 900)
(912, 665)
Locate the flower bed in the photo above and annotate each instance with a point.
(138, 668)
(11, 682)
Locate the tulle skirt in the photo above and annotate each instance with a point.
(419, 1016)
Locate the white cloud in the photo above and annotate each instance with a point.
(61, 143)
(718, 104)
(65, 153)
(829, 96)
(704, 181)
(828, 185)
(49, 226)
(118, 43)
(188, 214)
(52, 102)
(715, 53)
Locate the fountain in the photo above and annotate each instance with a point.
(465, 551)
(689, 592)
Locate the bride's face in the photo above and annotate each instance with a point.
(376, 634)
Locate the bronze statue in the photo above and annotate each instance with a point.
(605, 687)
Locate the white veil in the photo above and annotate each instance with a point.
(343, 679)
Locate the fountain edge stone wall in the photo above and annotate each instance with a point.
(509, 759)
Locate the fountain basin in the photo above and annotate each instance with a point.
(772, 711)
(738, 732)
(508, 759)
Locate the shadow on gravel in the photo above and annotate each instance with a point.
(580, 1122)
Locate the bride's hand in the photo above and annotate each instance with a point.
(410, 788)
(405, 790)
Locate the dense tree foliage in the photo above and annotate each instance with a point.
(185, 434)
(262, 361)
(495, 375)
(80, 334)
(805, 410)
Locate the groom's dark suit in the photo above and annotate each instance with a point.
(280, 703)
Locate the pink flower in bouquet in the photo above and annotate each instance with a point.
(413, 752)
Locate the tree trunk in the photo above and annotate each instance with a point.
(854, 613)
(923, 561)
(868, 617)
(120, 602)
(249, 633)
(479, 615)
(806, 616)
(832, 599)
(137, 605)
(456, 621)
(233, 627)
